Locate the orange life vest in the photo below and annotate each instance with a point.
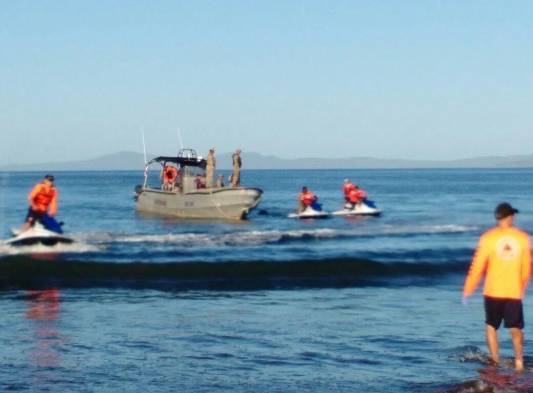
(356, 195)
(169, 174)
(42, 197)
(307, 198)
(347, 188)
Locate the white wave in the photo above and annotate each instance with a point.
(75, 248)
(257, 238)
(249, 238)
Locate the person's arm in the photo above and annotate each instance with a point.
(53, 205)
(477, 268)
(526, 266)
(33, 193)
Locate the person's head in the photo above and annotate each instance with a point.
(212, 150)
(238, 151)
(504, 214)
(346, 181)
(304, 189)
(49, 180)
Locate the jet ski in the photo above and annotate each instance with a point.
(47, 232)
(364, 208)
(313, 211)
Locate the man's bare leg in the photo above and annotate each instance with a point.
(27, 225)
(492, 343)
(518, 343)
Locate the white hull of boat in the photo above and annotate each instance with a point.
(217, 203)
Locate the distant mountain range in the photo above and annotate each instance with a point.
(127, 160)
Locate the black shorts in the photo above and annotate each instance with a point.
(34, 215)
(508, 310)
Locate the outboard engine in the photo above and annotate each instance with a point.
(138, 189)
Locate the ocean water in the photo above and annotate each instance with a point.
(143, 303)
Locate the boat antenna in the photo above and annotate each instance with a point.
(144, 146)
(180, 139)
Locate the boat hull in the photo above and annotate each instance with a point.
(223, 203)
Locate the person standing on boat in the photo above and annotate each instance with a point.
(169, 174)
(237, 163)
(504, 256)
(43, 202)
(210, 168)
(220, 181)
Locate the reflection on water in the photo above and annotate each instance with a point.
(43, 309)
(494, 378)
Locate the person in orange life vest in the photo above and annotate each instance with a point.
(169, 174)
(306, 198)
(43, 200)
(346, 188)
(504, 256)
(356, 195)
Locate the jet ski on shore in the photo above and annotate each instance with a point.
(364, 208)
(47, 232)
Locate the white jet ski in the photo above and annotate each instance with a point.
(364, 208)
(309, 212)
(36, 235)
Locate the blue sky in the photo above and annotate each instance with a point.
(391, 79)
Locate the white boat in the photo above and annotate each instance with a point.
(37, 234)
(364, 208)
(309, 212)
(187, 199)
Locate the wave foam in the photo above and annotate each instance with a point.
(74, 248)
(258, 238)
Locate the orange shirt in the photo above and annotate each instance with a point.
(505, 255)
(43, 197)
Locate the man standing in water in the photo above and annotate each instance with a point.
(504, 252)
(210, 168)
(237, 163)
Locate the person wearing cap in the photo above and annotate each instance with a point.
(237, 164)
(210, 168)
(43, 201)
(503, 255)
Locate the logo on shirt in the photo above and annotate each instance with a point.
(507, 248)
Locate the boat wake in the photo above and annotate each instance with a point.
(59, 248)
(258, 238)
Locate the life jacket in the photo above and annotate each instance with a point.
(169, 174)
(347, 188)
(41, 197)
(356, 195)
(307, 198)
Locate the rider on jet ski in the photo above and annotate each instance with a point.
(355, 196)
(346, 188)
(43, 206)
(307, 198)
